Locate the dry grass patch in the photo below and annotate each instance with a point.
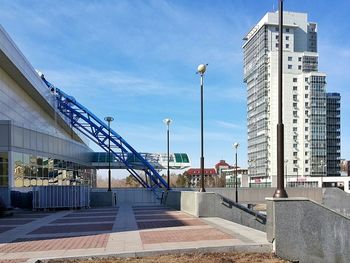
(187, 258)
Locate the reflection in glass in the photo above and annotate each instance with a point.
(30, 170)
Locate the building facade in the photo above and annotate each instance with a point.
(37, 145)
(230, 177)
(194, 176)
(304, 99)
(333, 134)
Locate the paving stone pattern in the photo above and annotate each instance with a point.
(125, 229)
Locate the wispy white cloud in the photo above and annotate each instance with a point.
(113, 82)
(230, 125)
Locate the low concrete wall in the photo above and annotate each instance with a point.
(101, 199)
(136, 196)
(337, 200)
(172, 199)
(213, 205)
(258, 195)
(190, 203)
(305, 231)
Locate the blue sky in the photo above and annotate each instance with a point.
(136, 61)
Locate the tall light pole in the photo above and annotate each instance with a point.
(280, 191)
(167, 123)
(236, 145)
(109, 120)
(201, 70)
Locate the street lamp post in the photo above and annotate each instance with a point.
(280, 191)
(109, 120)
(167, 123)
(201, 70)
(236, 145)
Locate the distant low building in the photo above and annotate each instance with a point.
(230, 176)
(222, 164)
(194, 176)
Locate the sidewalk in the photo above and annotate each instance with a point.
(123, 231)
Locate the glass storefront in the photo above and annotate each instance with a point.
(32, 170)
(4, 174)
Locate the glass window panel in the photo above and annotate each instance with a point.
(27, 171)
(26, 158)
(70, 165)
(39, 182)
(33, 171)
(56, 163)
(4, 169)
(50, 163)
(40, 172)
(45, 172)
(33, 182)
(32, 160)
(19, 182)
(4, 180)
(4, 158)
(26, 182)
(39, 160)
(45, 161)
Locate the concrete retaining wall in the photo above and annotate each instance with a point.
(101, 199)
(134, 196)
(258, 195)
(305, 231)
(173, 199)
(337, 200)
(213, 205)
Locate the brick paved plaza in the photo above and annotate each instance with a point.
(27, 236)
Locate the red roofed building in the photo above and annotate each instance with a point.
(221, 165)
(194, 175)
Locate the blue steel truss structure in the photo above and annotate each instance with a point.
(97, 131)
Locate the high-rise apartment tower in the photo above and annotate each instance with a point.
(304, 99)
(333, 134)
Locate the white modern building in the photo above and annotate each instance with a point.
(304, 99)
(333, 134)
(38, 147)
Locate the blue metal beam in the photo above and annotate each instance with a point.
(91, 126)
